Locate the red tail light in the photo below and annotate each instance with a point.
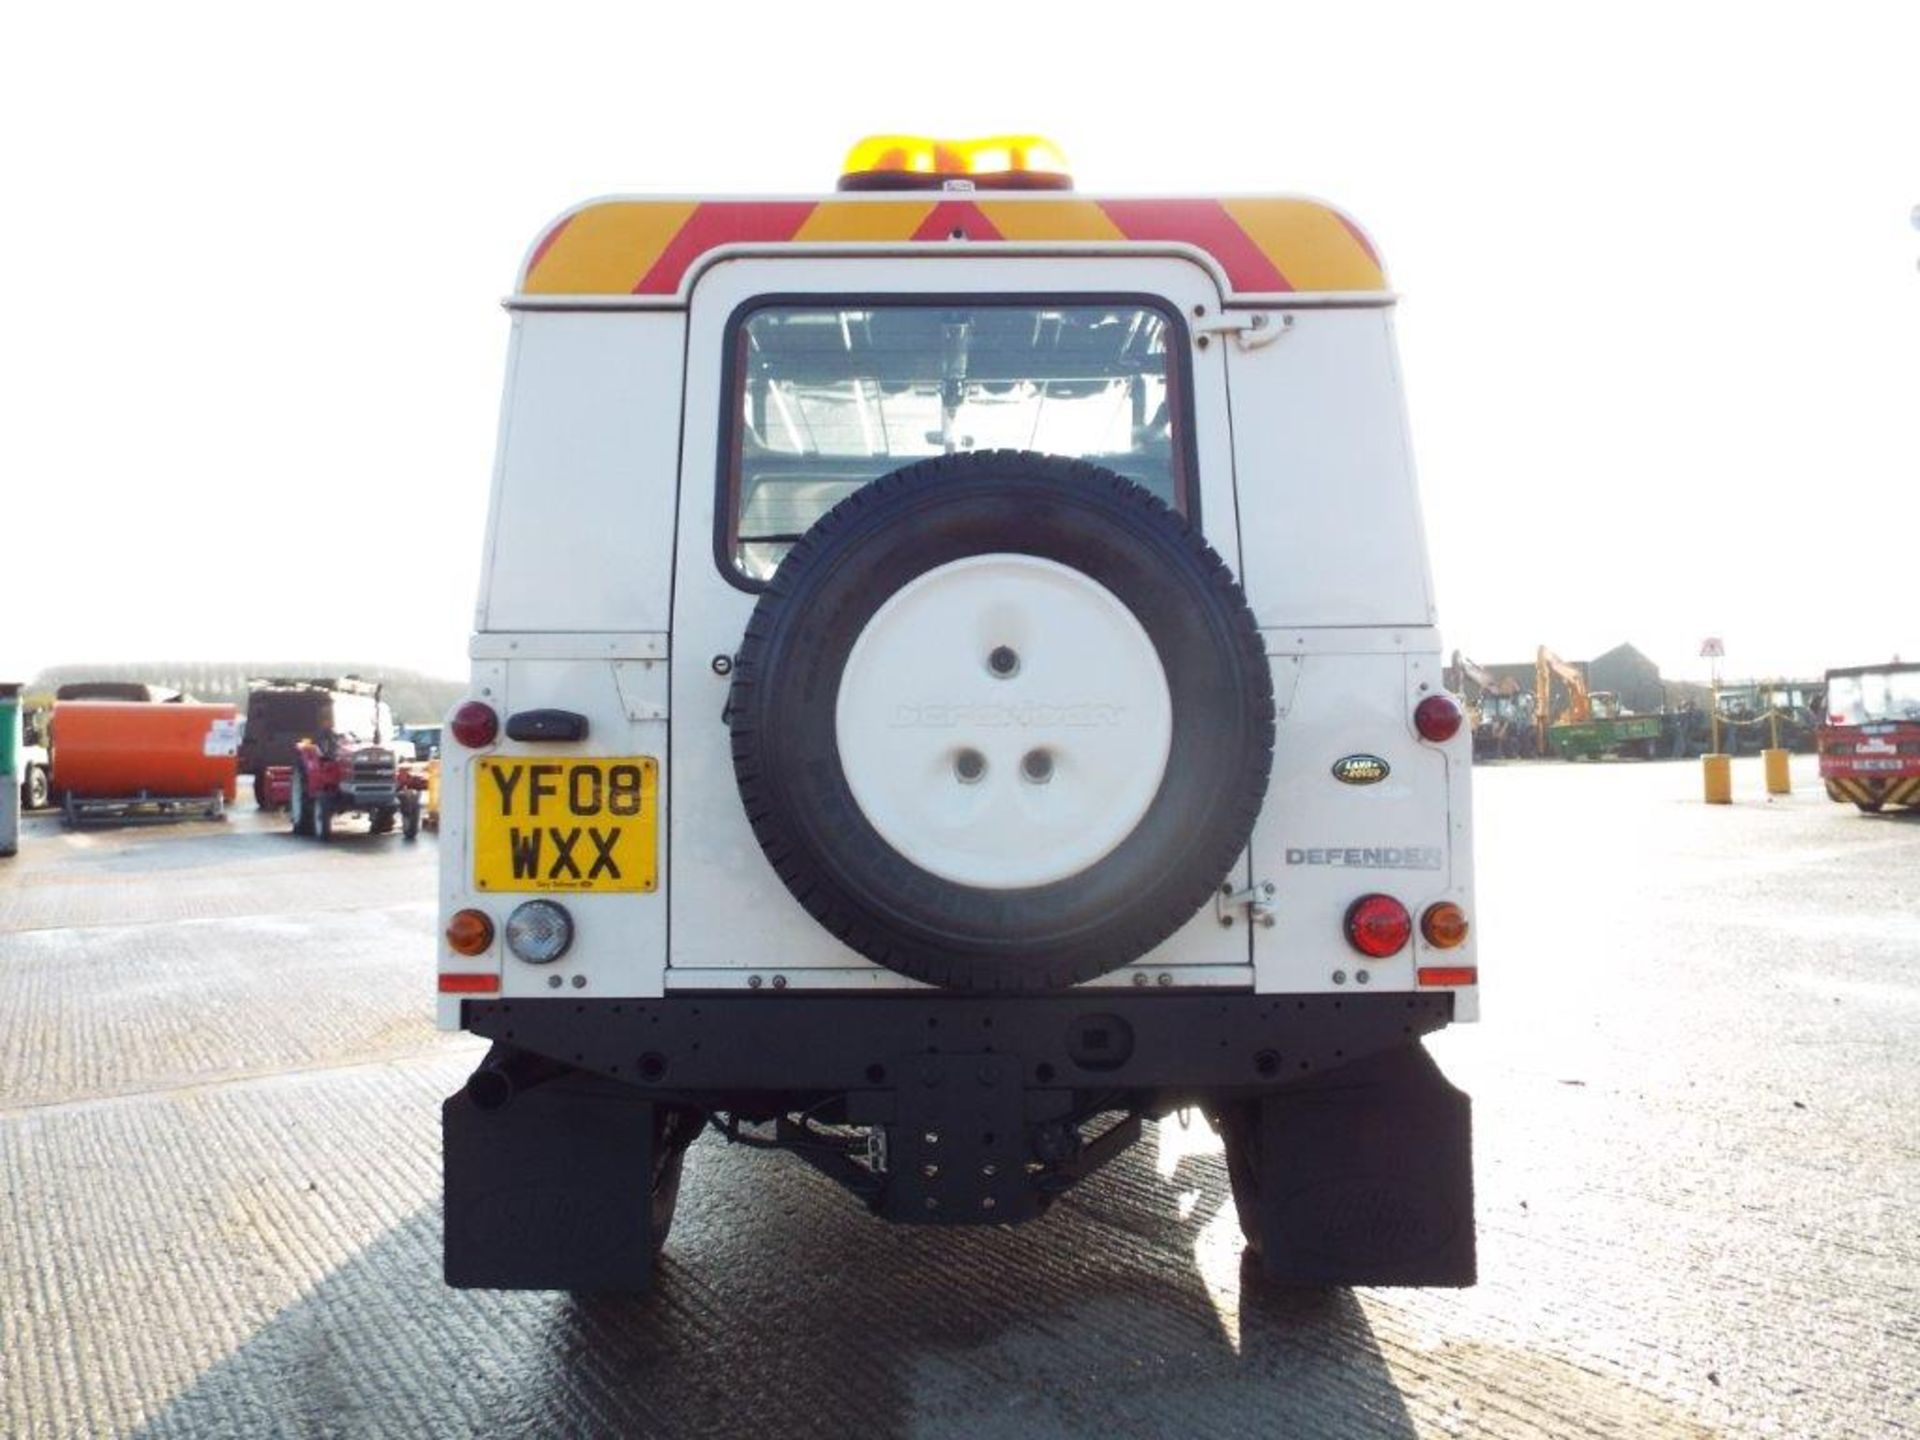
(1437, 718)
(1378, 926)
(475, 725)
(1449, 975)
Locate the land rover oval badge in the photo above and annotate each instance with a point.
(1360, 769)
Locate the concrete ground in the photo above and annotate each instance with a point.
(1697, 1097)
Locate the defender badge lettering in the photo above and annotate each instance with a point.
(1360, 769)
(1370, 857)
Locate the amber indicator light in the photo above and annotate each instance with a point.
(1444, 926)
(469, 932)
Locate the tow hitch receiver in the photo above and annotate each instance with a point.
(962, 1141)
(957, 1140)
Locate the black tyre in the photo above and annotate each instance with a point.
(1870, 807)
(674, 1132)
(381, 822)
(36, 791)
(410, 816)
(1239, 1129)
(1120, 558)
(299, 804)
(322, 817)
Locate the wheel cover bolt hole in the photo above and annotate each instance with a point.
(1037, 766)
(1003, 663)
(968, 766)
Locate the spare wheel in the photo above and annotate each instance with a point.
(1002, 721)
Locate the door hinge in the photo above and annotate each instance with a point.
(1249, 331)
(1256, 900)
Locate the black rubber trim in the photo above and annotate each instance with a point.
(712, 1049)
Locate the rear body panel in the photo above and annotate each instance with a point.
(602, 593)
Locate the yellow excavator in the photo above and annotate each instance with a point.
(1547, 667)
(1588, 725)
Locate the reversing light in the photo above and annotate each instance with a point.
(1444, 925)
(1378, 926)
(539, 932)
(469, 932)
(921, 162)
(1437, 718)
(475, 725)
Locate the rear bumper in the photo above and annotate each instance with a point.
(1859, 789)
(733, 1050)
(1353, 1152)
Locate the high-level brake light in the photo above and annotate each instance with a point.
(921, 162)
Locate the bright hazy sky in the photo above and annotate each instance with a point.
(1661, 327)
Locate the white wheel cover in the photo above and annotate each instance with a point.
(1089, 693)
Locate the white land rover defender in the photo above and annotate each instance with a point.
(955, 677)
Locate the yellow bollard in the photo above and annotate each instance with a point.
(1779, 781)
(1718, 773)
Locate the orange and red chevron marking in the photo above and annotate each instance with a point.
(1855, 790)
(648, 247)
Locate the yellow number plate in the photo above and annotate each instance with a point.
(566, 824)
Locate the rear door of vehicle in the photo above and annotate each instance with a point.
(731, 918)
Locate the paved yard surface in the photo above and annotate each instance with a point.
(1697, 1100)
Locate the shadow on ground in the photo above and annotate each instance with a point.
(785, 1310)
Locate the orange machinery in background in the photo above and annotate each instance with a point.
(1547, 668)
(116, 760)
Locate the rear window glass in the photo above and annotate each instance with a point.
(830, 396)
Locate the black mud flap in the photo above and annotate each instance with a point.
(548, 1188)
(1366, 1177)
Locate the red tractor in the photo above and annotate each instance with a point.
(341, 776)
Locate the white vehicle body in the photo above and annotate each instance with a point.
(589, 601)
(609, 593)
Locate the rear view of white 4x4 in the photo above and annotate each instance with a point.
(955, 678)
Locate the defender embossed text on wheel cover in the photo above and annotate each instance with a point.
(1002, 721)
